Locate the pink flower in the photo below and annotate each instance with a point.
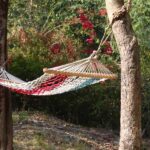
(87, 25)
(103, 12)
(83, 18)
(89, 40)
(55, 48)
(108, 51)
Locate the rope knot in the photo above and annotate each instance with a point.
(119, 14)
(94, 55)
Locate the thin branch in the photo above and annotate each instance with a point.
(129, 3)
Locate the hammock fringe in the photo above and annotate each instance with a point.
(90, 68)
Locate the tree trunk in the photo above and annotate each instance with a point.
(5, 102)
(130, 128)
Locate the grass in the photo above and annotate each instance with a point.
(20, 116)
(38, 141)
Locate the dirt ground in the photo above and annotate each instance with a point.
(37, 131)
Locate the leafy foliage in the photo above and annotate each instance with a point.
(141, 21)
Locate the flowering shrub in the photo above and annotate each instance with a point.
(89, 40)
(88, 26)
(86, 23)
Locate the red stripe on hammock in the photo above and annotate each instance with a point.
(48, 85)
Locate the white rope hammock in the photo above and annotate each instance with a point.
(57, 80)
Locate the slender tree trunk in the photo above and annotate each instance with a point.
(5, 102)
(130, 130)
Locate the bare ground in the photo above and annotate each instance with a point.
(42, 132)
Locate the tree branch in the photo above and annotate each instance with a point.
(129, 4)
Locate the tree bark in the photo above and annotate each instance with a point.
(5, 101)
(130, 121)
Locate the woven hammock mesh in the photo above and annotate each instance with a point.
(57, 80)
(47, 84)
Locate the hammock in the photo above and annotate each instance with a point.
(61, 79)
